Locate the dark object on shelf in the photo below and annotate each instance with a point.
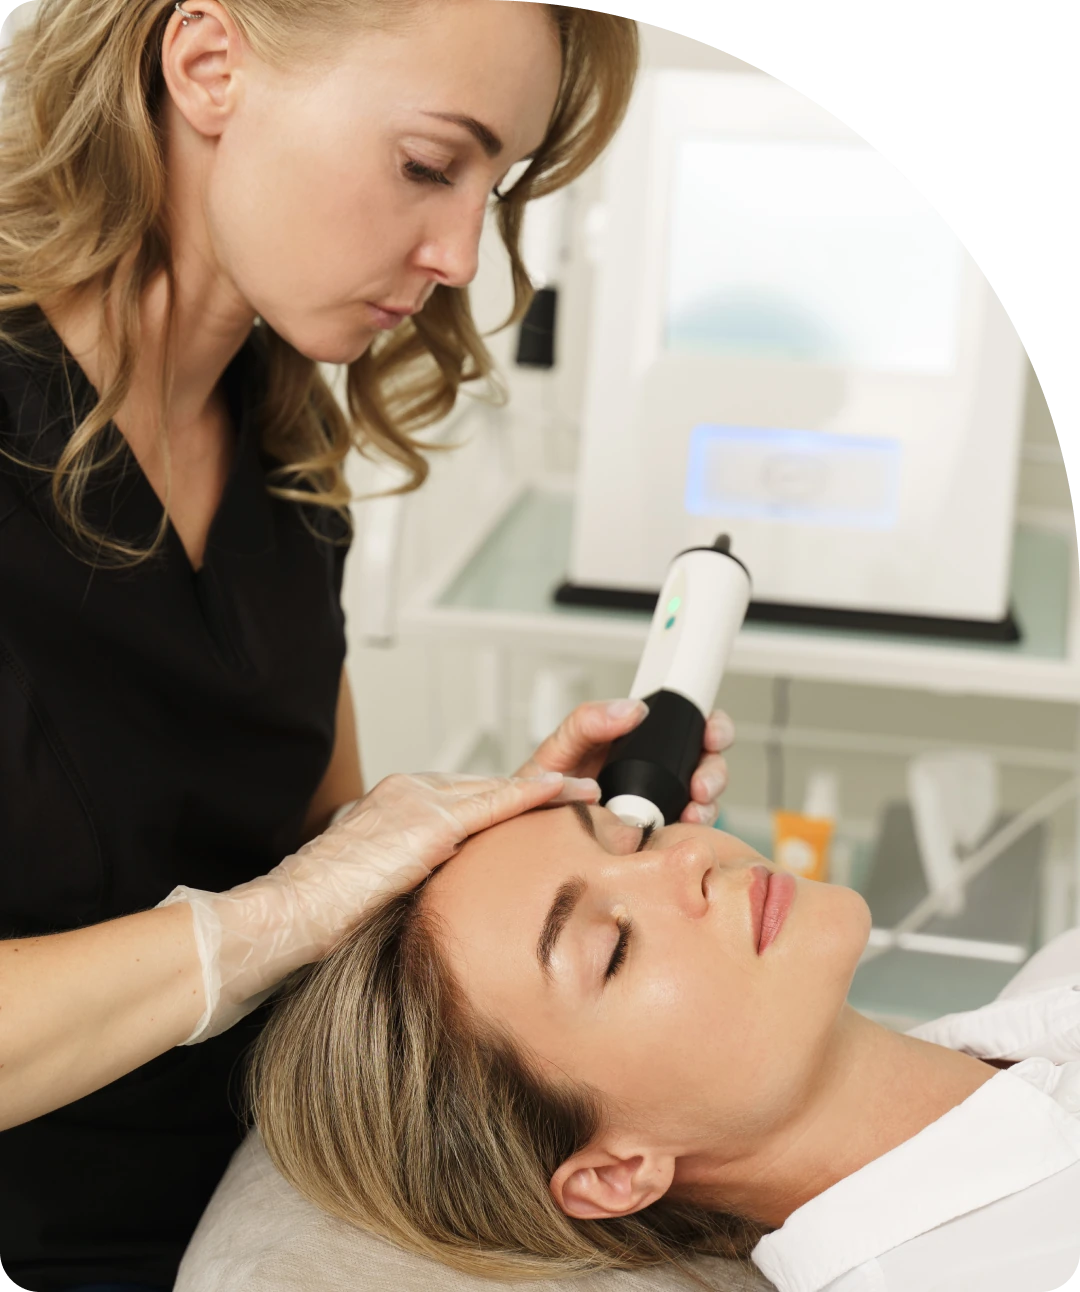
(536, 338)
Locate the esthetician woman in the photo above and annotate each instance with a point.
(199, 203)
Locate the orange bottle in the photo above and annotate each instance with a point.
(801, 840)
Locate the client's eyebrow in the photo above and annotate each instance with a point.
(557, 918)
(585, 819)
(566, 899)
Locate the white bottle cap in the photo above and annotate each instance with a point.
(822, 799)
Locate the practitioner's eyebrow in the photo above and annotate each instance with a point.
(488, 140)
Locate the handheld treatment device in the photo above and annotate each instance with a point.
(646, 778)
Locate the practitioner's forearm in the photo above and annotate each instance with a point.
(80, 1009)
(343, 780)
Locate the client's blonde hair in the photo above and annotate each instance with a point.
(385, 1101)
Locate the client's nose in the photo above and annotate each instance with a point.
(679, 869)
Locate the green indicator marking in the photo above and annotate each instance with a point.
(670, 623)
(673, 605)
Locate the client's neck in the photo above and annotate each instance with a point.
(876, 1089)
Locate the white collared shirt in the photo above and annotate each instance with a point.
(986, 1198)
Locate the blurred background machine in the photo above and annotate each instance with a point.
(789, 344)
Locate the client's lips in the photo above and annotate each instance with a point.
(771, 895)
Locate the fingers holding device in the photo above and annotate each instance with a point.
(652, 774)
(580, 746)
(252, 936)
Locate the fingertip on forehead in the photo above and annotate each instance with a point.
(493, 863)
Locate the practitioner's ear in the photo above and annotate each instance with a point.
(599, 1184)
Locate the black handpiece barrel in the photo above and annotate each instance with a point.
(656, 760)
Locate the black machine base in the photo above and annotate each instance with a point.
(656, 760)
(1003, 630)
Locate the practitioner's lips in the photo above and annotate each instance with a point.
(771, 895)
(386, 317)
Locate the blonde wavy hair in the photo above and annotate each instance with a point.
(82, 189)
(382, 1098)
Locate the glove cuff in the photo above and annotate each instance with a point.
(207, 929)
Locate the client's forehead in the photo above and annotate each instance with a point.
(490, 899)
(511, 857)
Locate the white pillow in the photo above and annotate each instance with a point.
(259, 1235)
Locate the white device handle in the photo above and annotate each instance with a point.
(701, 608)
(646, 778)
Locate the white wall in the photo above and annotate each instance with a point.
(17, 19)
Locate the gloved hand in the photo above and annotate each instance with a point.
(252, 936)
(581, 743)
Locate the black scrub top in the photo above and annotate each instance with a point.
(158, 726)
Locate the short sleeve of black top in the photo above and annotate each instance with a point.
(158, 726)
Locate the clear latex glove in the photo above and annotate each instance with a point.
(252, 936)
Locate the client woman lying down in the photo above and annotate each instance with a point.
(579, 1047)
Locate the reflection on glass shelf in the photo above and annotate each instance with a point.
(997, 929)
(1001, 903)
(935, 944)
(912, 988)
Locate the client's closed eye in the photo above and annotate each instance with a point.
(626, 925)
(619, 954)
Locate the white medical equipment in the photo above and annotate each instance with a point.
(789, 344)
(954, 802)
(702, 605)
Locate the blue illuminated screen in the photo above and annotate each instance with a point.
(793, 476)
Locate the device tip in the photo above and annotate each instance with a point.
(632, 809)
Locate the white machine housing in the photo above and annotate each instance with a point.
(863, 461)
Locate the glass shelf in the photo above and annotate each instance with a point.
(527, 555)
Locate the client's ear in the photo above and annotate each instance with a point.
(597, 1184)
